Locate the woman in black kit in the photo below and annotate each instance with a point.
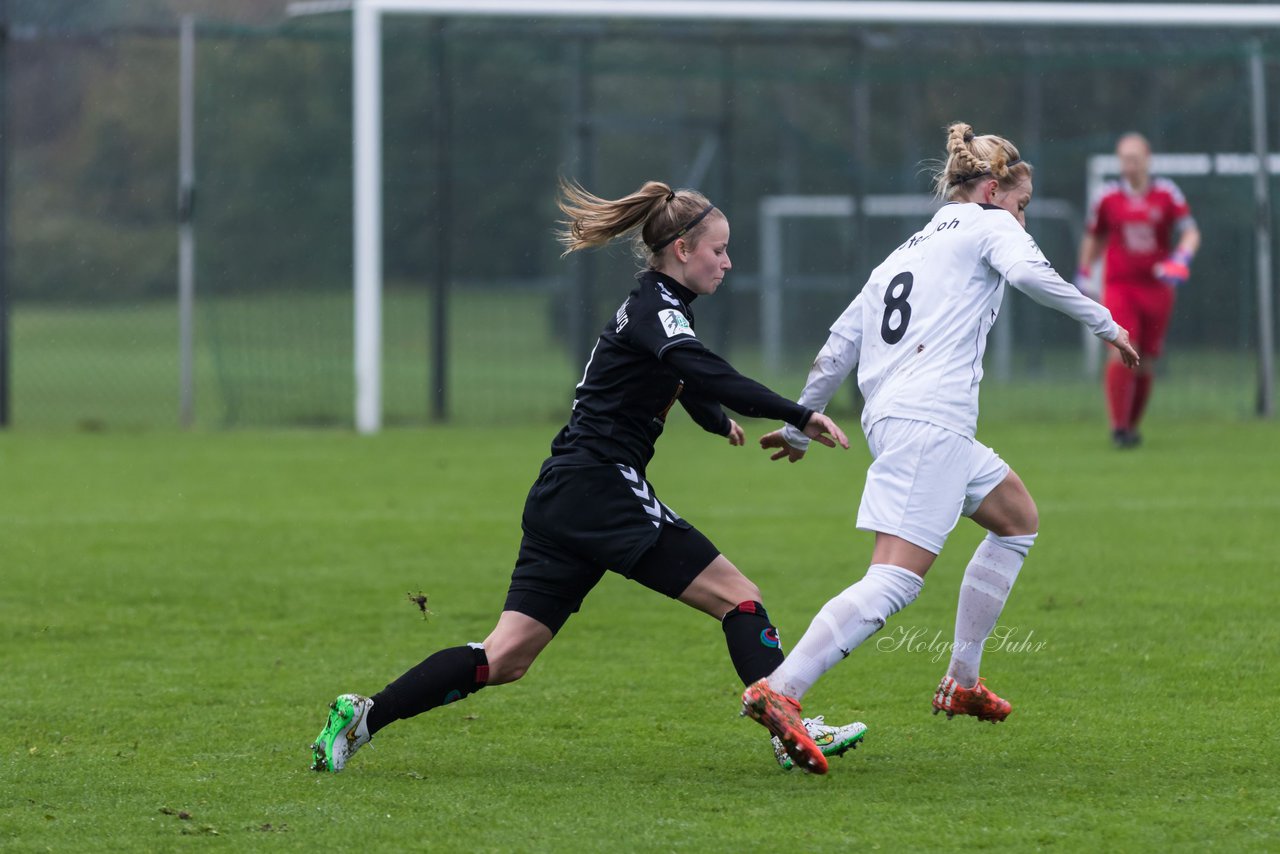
(591, 509)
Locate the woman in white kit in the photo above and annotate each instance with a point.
(916, 333)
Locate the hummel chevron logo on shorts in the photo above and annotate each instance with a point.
(658, 512)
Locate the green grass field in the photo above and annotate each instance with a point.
(178, 609)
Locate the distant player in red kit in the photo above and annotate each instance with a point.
(1137, 218)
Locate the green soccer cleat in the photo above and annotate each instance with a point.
(831, 740)
(344, 733)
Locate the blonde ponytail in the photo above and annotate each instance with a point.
(655, 212)
(970, 157)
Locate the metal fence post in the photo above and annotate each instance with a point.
(1262, 200)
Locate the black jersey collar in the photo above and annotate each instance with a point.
(685, 295)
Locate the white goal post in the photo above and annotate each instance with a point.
(367, 87)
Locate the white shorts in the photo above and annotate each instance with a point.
(922, 479)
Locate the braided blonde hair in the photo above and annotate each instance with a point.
(971, 157)
(655, 212)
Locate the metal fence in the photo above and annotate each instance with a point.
(483, 321)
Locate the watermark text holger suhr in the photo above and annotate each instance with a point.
(917, 639)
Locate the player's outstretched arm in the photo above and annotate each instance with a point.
(706, 374)
(708, 414)
(1042, 283)
(1045, 286)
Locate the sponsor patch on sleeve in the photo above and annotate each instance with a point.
(674, 323)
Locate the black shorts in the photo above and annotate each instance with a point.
(582, 521)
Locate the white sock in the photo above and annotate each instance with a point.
(987, 581)
(850, 618)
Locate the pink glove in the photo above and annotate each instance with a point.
(1174, 270)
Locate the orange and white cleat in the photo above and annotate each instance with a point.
(977, 701)
(780, 715)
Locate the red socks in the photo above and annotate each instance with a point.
(1127, 395)
(1141, 392)
(1121, 392)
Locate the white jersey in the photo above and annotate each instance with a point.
(918, 329)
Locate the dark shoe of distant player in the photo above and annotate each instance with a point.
(831, 740)
(345, 732)
(780, 715)
(1125, 439)
(977, 701)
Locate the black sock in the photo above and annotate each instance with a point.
(445, 676)
(753, 641)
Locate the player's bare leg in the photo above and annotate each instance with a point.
(512, 646)
(722, 591)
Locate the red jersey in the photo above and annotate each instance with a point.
(1139, 228)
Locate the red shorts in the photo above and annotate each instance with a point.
(1143, 310)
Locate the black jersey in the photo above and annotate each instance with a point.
(647, 358)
